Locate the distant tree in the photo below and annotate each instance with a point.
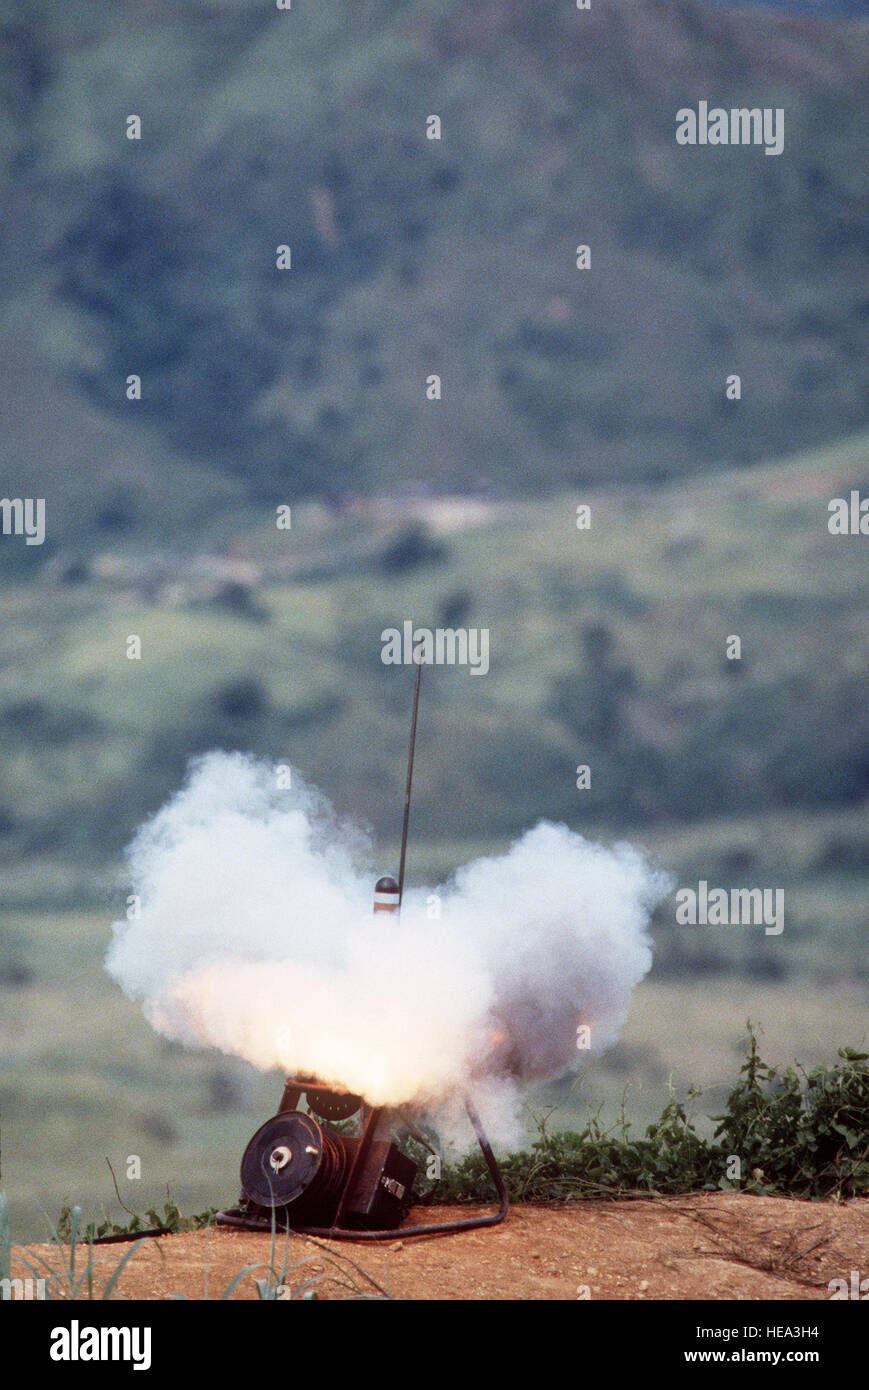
(591, 701)
(411, 548)
(241, 699)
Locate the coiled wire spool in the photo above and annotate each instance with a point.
(292, 1159)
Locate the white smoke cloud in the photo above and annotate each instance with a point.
(256, 936)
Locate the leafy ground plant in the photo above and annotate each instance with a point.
(168, 1222)
(803, 1133)
(790, 1133)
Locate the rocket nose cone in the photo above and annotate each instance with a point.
(386, 897)
(387, 884)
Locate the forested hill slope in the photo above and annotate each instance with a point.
(413, 257)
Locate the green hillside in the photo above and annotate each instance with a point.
(413, 256)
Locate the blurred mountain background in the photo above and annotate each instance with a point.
(412, 256)
(307, 388)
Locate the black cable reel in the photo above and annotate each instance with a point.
(292, 1160)
(308, 1177)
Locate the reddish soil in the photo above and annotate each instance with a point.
(717, 1246)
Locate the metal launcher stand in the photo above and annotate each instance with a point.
(300, 1176)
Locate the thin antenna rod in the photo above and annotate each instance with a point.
(408, 783)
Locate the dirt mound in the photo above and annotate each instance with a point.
(718, 1246)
